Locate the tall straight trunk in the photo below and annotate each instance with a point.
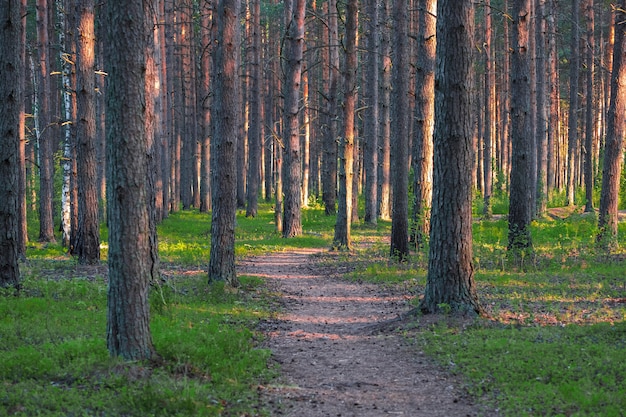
(154, 32)
(45, 138)
(254, 128)
(305, 143)
(87, 246)
(22, 206)
(424, 111)
(400, 147)
(541, 123)
(615, 129)
(488, 114)
(589, 110)
(572, 127)
(505, 111)
(343, 239)
(384, 160)
(11, 104)
(522, 187)
(329, 160)
(67, 58)
(292, 169)
(205, 99)
(170, 66)
(371, 123)
(554, 125)
(188, 130)
(268, 115)
(450, 282)
(130, 253)
(226, 115)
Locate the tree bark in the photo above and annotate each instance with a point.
(488, 115)
(400, 147)
(572, 126)
(615, 129)
(424, 110)
(450, 281)
(11, 103)
(130, 252)
(522, 187)
(87, 246)
(206, 77)
(329, 160)
(542, 108)
(343, 239)
(226, 115)
(371, 124)
(254, 127)
(589, 107)
(292, 168)
(554, 102)
(384, 160)
(45, 138)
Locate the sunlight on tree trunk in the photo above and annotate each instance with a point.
(450, 282)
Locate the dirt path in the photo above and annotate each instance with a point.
(332, 362)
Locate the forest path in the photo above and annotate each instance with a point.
(331, 360)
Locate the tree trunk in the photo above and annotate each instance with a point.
(572, 126)
(450, 281)
(554, 105)
(292, 168)
(371, 123)
(67, 19)
(488, 115)
(329, 160)
(400, 147)
(254, 127)
(226, 115)
(87, 246)
(384, 160)
(11, 104)
(22, 206)
(589, 114)
(206, 77)
(520, 206)
(130, 252)
(44, 133)
(343, 239)
(424, 110)
(542, 108)
(615, 129)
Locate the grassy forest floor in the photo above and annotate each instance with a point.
(553, 343)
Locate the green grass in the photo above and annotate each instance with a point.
(555, 337)
(55, 360)
(553, 343)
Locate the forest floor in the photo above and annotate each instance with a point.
(339, 350)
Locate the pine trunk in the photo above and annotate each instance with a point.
(87, 246)
(400, 147)
(130, 252)
(226, 115)
(292, 168)
(615, 129)
(11, 103)
(520, 206)
(450, 282)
